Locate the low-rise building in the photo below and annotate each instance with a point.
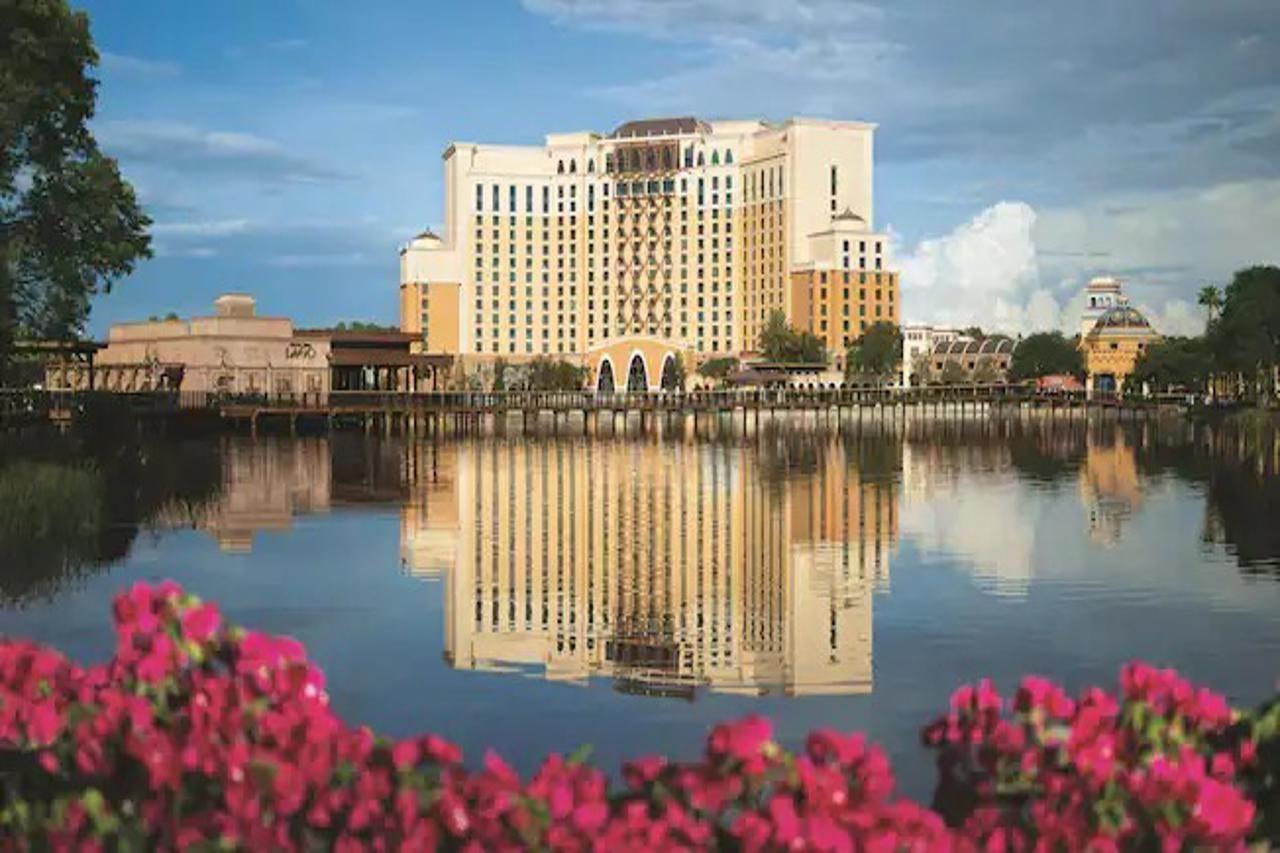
(236, 351)
(987, 360)
(918, 344)
(1112, 347)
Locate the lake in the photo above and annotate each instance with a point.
(538, 593)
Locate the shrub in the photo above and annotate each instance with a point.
(201, 734)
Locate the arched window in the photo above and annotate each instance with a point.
(688, 156)
(715, 157)
(728, 156)
(591, 165)
(608, 162)
(666, 158)
(573, 167)
(650, 160)
(702, 159)
(560, 167)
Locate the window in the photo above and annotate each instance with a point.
(559, 167)
(479, 198)
(728, 156)
(702, 160)
(715, 157)
(495, 200)
(591, 165)
(546, 199)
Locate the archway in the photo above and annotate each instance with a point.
(604, 379)
(637, 376)
(672, 374)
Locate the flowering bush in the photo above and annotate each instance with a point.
(1163, 761)
(200, 734)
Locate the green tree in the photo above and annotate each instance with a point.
(674, 379)
(70, 225)
(953, 373)
(876, 354)
(718, 368)
(975, 332)
(362, 326)
(1245, 337)
(985, 373)
(1173, 363)
(500, 374)
(546, 374)
(781, 344)
(1046, 354)
(1211, 298)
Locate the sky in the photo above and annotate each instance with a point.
(289, 148)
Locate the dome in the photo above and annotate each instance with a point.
(1122, 317)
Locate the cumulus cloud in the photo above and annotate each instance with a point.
(1015, 269)
(185, 147)
(984, 273)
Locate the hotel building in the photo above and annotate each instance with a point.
(665, 236)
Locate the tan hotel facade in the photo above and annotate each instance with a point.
(679, 234)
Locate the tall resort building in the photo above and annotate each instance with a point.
(667, 238)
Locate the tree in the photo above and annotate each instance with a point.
(673, 379)
(555, 375)
(500, 374)
(1211, 298)
(781, 344)
(953, 373)
(362, 326)
(70, 225)
(1046, 354)
(1174, 363)
(1245, 337)
(975, 332)
(985, 373)
(718, 368)
(876, 354)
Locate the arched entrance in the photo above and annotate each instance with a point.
(604, 382)
(637, 376)
(672, 374)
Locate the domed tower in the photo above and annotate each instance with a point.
(1101, 295)
(1112, 348)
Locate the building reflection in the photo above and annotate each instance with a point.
(665, 567)
(1110, 487)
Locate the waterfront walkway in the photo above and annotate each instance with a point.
(464, 410)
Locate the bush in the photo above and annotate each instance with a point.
(198, 733)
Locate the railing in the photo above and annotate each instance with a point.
(42, 403)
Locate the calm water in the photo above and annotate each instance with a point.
(628, 592)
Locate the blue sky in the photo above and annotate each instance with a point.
(287, 148)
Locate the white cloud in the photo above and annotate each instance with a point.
(984, 273)
(184, 147)
(322, 259)
(209, 228)
(1014, 269)
(136, 66)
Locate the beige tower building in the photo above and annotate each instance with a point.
(680, 233)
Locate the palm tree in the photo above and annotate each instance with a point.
(1211, 298)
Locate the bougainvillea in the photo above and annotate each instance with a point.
(201, 734)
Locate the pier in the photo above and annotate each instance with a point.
(462, 412)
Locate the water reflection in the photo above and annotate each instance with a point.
(665, 567)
